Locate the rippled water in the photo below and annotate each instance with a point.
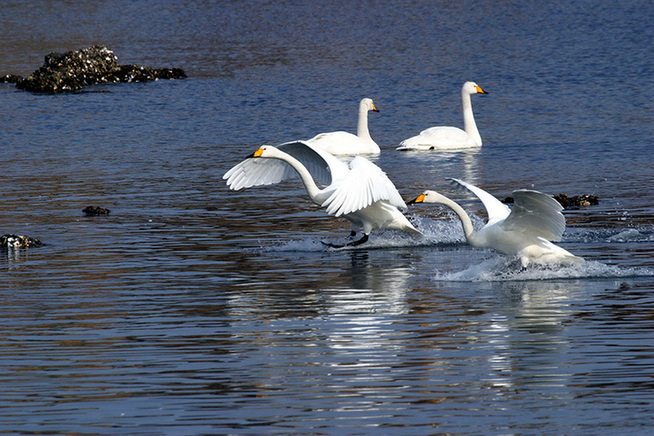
(192, 309)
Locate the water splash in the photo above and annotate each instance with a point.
(499, 268)
(610, 235)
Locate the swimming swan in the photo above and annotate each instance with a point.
(339, 143)
(524, 231)
(359, 191)
(450, 138)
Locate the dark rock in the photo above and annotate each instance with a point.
(137, 73)
(10, 78)
(73, 70)
(12, 242)
(568, 202)
(95, 210)
(576, 201)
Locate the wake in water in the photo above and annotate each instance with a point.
(435, 233)
(614, 235)
(500, 268)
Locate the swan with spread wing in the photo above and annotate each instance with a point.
(359, 191)
(525, 231)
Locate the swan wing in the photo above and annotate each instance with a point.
(439, 137)
(324, 167)
(536, 214)
(339, 137)
(256, 172)
(338, 143)
(364, 185)
(495, 209)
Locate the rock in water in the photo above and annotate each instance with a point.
(73, 70)
(12, 242)
(574, 202)
(577, 200)
(95, 210)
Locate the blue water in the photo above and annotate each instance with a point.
(193, 309)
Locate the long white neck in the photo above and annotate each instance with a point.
(468, 229)
(305, 175)
(469, 124)
(362, 127)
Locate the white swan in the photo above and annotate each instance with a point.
(360, 192)
(450, 138)
(524, 231)
(345, 143)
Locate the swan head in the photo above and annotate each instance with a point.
(430, 197)
(367, 105)
(472, 88)
(264, 151)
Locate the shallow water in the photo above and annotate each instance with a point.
(192, 309)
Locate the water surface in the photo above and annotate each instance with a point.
(192, 309)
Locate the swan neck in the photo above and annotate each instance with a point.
(305, 176)
(468, 229)
(469, 124)
(362, 127)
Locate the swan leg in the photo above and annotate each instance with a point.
(360, 241)
(356, 243)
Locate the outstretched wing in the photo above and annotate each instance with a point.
(365, 184)
(256, 172)
(537, 214)
(495, 209)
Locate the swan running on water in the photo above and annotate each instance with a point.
(524, 231)
(345, 143)
(360, 192)
(446, 137)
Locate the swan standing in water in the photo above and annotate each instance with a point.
(359, 191)
(339, 143)
(450, 138)
(524, 231)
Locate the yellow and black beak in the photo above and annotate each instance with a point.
(480, 91)
(257, 153)
(374, 108)
(419, 199)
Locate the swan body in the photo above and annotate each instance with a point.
(345, 143)
(359, 191)
(526, 231)
(450, 138)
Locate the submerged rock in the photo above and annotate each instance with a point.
(12, 242)
(95, 210)
(73, 70)
(10, 78)
(576, 201)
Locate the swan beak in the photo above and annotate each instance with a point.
(374, 108)
(257, 153)
(419, 199)
(480, 91)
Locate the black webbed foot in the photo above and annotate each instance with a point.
(356, 243)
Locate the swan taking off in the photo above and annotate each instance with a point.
(340, 143)
(524, 231)
(359, 191)
(450, 138)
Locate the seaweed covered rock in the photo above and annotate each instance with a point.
(95, 210)
(12, 242)
(577, 200)
(567, 202)
(73, 70)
